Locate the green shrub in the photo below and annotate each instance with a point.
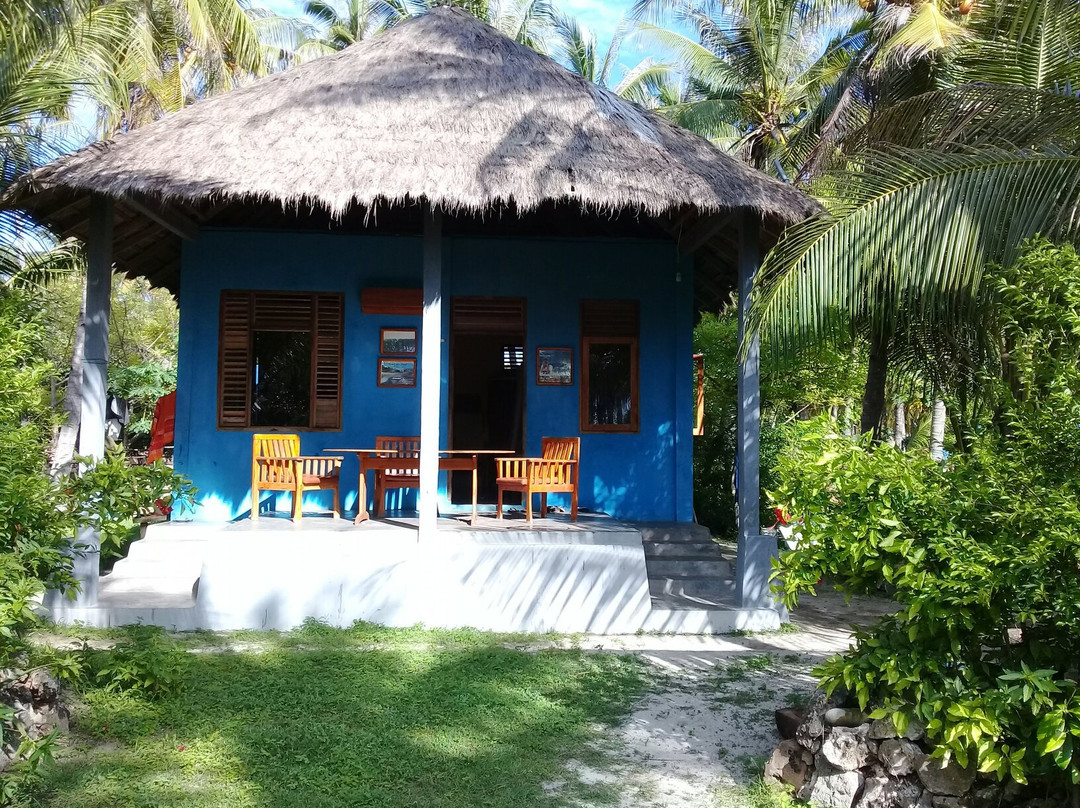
(115, 496)
(982, 553)
(144, 663)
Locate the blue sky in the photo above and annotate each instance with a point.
(601, 17)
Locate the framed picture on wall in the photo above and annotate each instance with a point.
(397, 372)
(397, 341)
(555, 366)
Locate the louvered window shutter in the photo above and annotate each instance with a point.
(245, 312)
(234, 360)
(329, 327)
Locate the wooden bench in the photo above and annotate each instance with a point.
(277, 465)
(556, 471)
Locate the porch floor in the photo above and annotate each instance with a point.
(159, 581)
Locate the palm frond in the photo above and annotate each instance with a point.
(910, 228)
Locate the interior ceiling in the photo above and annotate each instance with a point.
(148, 234)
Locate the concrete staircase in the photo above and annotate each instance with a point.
(159, 571)
(687, 569)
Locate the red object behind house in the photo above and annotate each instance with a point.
(161, 430)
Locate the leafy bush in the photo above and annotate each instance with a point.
(826, 379)
(115, 496)
(144, 663)
(981, 553)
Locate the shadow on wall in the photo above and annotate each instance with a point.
(263, 581)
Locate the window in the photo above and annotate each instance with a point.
(609, 372)
(279, 362)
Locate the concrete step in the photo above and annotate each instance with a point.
(681, 567)
(692, 586)
(160, 550)
(164, 585)
(675, 533)
(682, 550)
(140, 568)
(686, 602)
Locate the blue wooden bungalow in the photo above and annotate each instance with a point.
(436, 232)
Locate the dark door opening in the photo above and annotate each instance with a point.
(487, 404)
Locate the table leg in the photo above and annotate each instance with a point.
(361, 497)
(474, 489)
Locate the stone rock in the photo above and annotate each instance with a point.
(36, 687)
(788, 721)
(810, 732)
(790, 763)
(915, 731)
(848, 749)
(833, 788)
(988, 797)
(900, 757)
(951, 802)
(845, 717)
(886, 792)
(882, 728)
(950, 779)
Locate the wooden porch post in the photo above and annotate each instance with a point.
(95, 377)
(430, 374)
(754, 562)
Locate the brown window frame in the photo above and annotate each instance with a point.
(237, 313)
(635, 409)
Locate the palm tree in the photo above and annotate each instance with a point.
(937, 186)
(354, 20)
(757, 71)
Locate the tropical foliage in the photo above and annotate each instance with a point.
(981, 553)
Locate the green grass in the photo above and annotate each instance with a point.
(759, 794)
(333, 725)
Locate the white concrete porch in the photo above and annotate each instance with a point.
(559, 576)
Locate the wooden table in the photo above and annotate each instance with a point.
(385, 459)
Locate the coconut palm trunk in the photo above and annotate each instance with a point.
(937, 431)
(873, 403)
(899, 425)
(63, 457)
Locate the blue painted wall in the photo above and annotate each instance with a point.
(642, 476)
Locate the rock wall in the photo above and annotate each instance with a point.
(35, 699)
(836, 757)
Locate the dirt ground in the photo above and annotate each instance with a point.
(702, 736)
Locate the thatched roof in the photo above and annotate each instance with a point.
(440, 108)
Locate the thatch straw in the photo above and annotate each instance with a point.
(442, 108)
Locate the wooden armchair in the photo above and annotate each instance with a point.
(277, 465)
(555, 472)
(406, 477)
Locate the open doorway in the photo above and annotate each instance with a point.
(487, 388)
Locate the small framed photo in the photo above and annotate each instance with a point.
(397, 372)
(397, 341)
(555, 366)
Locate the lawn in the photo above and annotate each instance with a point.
(324, 718)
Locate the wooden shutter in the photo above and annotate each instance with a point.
(282, 311)
(234, 360)
(609, 318)
(328, 347)
(243, 312)
(488, 315)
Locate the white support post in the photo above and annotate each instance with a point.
(430, 375)
(95, 377)
(754, 563)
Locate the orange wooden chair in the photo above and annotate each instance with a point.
(406, 477)
(555, 472)
(277, 465)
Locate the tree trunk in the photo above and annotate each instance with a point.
(63, 458)
(899, 425)
(873, 403)
(937, 431)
